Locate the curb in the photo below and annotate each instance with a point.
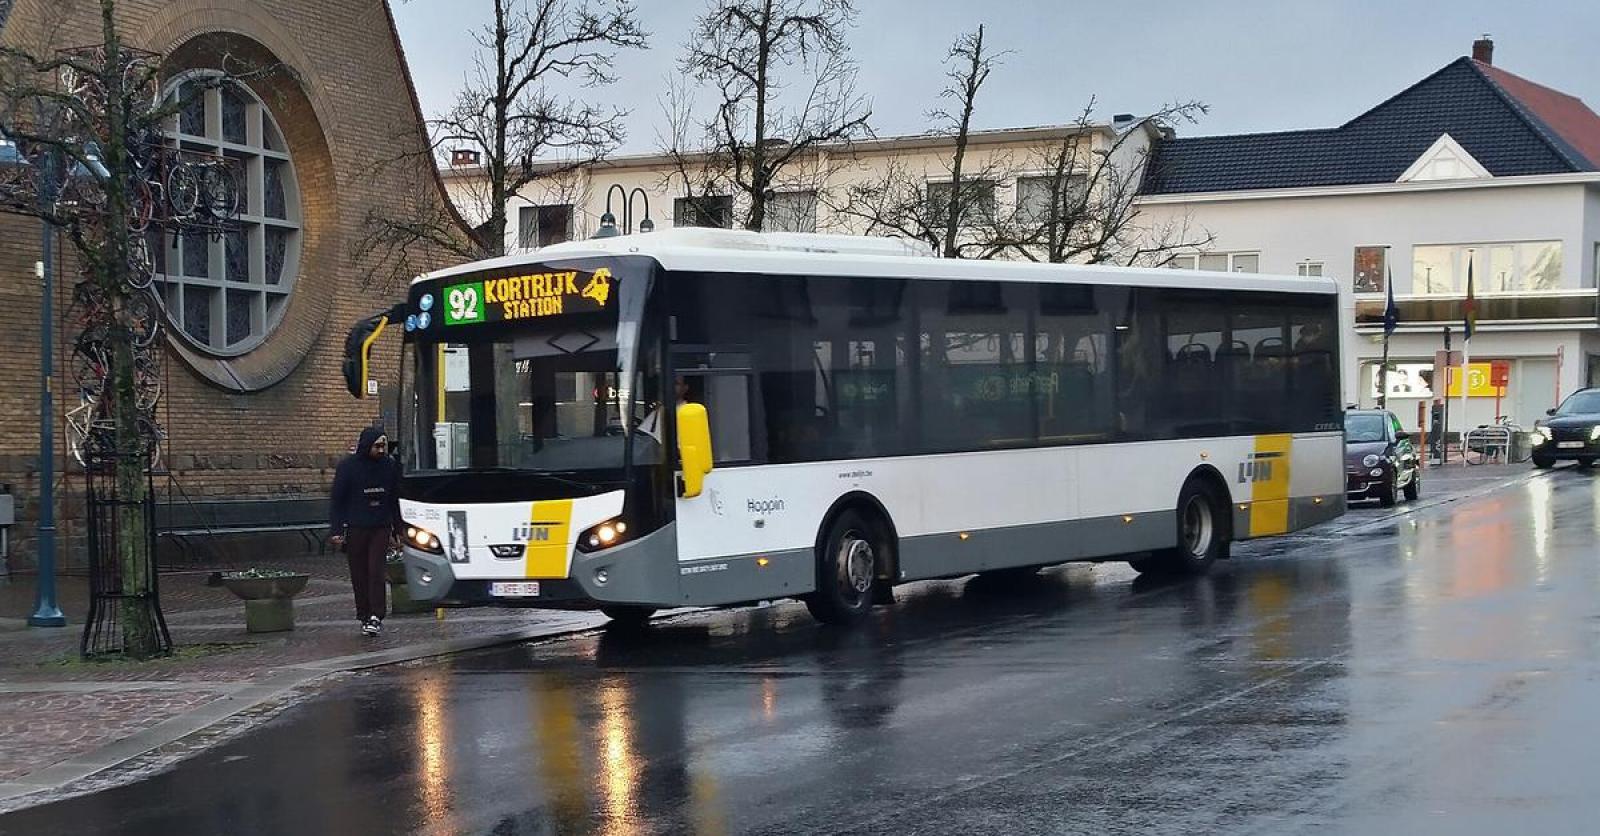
(231, 703)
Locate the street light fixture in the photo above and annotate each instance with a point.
(608, 220)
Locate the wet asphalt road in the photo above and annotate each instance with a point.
(1439, 673)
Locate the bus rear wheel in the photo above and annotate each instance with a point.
(847, 569)
(627, 615)
(1202, 537)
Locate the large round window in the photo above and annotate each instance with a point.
(226, 290)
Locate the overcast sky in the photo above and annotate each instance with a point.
(1262, 65)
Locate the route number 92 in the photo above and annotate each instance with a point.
(463, 304)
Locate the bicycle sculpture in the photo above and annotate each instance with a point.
(170, 191)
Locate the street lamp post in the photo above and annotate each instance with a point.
(46, 612)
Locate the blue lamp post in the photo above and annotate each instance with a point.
(46, 612)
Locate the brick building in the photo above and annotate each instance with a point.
(253, 405)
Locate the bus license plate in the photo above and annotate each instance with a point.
(514, 589)
(1569, 445)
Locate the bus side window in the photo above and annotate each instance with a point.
(728, 406)
(727, 401)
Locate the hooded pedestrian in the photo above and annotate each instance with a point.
(364, 513)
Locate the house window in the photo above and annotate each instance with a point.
(226, 292)
(1309, 268)
(1371, 269)
(541, 226)
(1512, 267)
(1033, 198)
(791, 212)
(706, 210)
(977, 202)
(1248, 262)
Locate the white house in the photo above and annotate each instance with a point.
(1471, 165)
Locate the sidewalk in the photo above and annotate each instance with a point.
(65, 719)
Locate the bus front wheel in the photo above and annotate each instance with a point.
(1202, 536)
(847, 569)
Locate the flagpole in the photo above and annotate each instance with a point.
(1468, 316)
(1389, 320)
(1466, 386)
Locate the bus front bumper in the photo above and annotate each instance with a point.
(642, 571)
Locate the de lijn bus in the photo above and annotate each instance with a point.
(710, 417)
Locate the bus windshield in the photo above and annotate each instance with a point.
(542, 394)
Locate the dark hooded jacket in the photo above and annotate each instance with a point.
(366, 491)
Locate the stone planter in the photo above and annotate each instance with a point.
(258, 589)
(268, 602)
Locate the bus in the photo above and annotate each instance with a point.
(701, 417)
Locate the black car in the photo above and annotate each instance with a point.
(1572, 432)
(1380, 461)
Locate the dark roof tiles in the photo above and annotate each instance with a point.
(1509, 125)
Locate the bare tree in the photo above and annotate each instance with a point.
(695, 171)
(744, 49)
(524, 130)
(953, 217)
(83, 128)
(1084, 207)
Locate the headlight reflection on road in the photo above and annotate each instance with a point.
(1539, 498)
(619, 764)
(432, 737)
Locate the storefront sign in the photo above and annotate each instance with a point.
(1480, 381)
(531, 296)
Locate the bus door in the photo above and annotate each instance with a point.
(723, 380)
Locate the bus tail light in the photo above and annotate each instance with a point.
(603, 536)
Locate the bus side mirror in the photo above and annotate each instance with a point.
(694, 447)
(358, 351)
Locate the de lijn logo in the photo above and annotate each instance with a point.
(1257, 467)
(532, 532)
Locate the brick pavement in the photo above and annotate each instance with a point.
(61, 711)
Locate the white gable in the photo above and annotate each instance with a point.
(1445, 160)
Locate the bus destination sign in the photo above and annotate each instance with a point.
(532, 296)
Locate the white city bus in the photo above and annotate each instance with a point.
(710, 417)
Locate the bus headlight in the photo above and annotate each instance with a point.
(423, 540)
(1370, 461)
(603, 536)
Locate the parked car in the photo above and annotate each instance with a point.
(1380, 461)
(1571, 432)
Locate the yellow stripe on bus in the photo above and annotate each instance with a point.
(549, 523)
(1269, 480)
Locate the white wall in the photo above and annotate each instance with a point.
(1289, 231)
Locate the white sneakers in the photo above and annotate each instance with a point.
(372, 626)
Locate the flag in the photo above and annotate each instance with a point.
(1469, 309)
(1391, 313)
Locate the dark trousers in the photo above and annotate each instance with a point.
(366, 549)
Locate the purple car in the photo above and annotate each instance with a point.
(1379, 460)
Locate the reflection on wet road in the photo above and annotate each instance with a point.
(1434, 674)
